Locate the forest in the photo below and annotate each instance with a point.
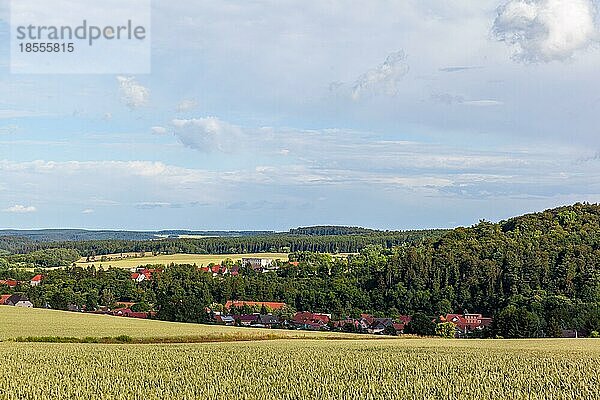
(536, 275)
(283, 242)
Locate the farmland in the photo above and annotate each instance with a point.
(304, 369)
(20, 322)
(131, 260)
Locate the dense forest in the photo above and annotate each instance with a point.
(536, 275)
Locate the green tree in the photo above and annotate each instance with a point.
(445, 329)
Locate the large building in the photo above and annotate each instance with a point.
(258, 263)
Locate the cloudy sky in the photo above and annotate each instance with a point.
(277, 114)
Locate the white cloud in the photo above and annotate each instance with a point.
(20, 209)
(88, 211)
(186, 105)
(546, 30)
(384, 79)
(208, 134)
(133, 94)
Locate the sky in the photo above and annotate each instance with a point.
(277, 114)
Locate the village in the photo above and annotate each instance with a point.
(263, 314)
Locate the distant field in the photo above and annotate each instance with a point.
(198, 259)
(20, 322)
(305, 369)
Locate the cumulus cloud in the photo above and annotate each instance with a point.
(546, 30)
(20, 209)
(383, 79)
(133, 94)
(208, 134)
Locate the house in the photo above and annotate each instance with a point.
(379, 325)
(144, 274)
(268, 304)
(266, 321)
(18, 300)
(11, 283)
(126, 312)
(36, 280)
(246, 319)
(312, 321)
(294, 263)
(258, 264)
(138, 277)
(365, 322)
(3, 298)
(467, 323)
(215, 269)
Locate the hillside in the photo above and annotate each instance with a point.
(35, 322)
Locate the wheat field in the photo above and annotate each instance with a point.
(304, 369)
(131, 260)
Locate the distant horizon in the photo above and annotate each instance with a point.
(283, 230)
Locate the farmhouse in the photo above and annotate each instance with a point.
(467, 323)
(18, 300)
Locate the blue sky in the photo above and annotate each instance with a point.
(277, 114)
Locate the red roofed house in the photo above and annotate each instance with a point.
(126, 312)
(468, 322)
(311, 320)
(403, 320)
(215, 269)
(241, 303)
(138, 277)
(36, 280)
(9, 282)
